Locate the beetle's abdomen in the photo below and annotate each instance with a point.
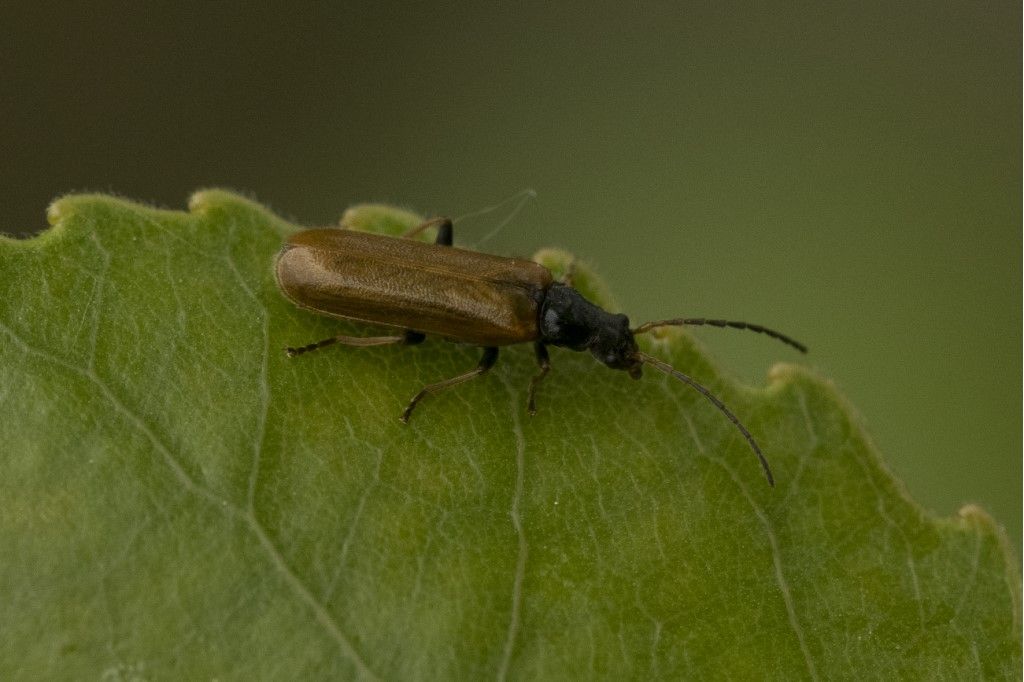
(457, 294)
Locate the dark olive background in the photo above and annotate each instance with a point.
(849, 174)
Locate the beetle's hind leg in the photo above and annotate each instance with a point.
(445, 233)
(487, 361)
(545, 366)
(444, 230)
(409, 338)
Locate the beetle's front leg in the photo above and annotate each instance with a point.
(541, 352)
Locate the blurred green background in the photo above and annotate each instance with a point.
(849, 174)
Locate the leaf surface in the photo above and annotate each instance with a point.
(183, 501)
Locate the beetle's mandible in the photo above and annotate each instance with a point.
(469, 297)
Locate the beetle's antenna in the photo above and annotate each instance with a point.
(698, 321)
(672, 371)
(521, 198)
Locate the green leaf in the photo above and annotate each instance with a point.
(183, 501)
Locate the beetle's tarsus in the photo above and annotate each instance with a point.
(412, 405)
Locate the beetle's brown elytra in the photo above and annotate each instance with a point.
(489, 301)
(453, 293)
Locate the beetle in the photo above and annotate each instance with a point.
(468, 297)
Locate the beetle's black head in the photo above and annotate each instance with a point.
(571, 321)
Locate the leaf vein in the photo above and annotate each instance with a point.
(264, 384)
(780, 577)
(883, 511)
(186, 480)
(322, 615)
(512, 632)
(357, 517)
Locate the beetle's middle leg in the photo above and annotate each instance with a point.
(409, 338)
(444, 230)
(487, 361)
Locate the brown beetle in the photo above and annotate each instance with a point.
(468, 297)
